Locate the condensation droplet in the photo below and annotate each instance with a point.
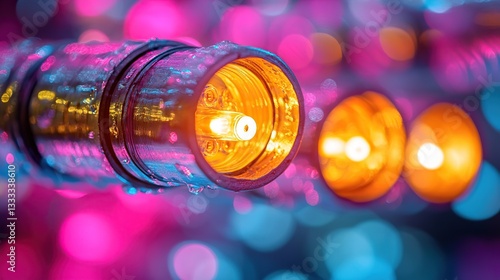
(146, 190)
(184, 170)
(195, 189)
(128, 189)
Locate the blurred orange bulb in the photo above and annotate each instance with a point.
(361, 147)
(443, 153)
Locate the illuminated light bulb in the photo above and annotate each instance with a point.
(357, 149)
(430, 156)
(443, 153)
(154, 114)
(361, 147)
(225, 125)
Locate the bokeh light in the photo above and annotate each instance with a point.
(443, 153)
(227, 269)
(422, 258)
(483, 199)
(384, 240)
(264, 228)
(490, 105)
(327, 49)
(397, 43)
(92, 8)
(360, 252)
(243, 25)
(153, 19)
(296, 50)
(286, 274)
(361, 147)
(193, 260)
(90, 237)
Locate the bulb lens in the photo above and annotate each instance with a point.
(443, 153)
(247, 118)
(361, 147)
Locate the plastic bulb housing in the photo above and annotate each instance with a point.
(361, 147)
(154, 114)
(443, 153)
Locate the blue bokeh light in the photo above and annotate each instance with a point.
(438, 6)
(490, 104)
(483, 199)
(314, 216)
(264, 228)
(364, 268)
(384, 239)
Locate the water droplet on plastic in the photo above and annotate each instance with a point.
(126, 161)
(146, 190)
(184, 170)
(195, 189)
(128, 189)
(91, 135)
(212, 187)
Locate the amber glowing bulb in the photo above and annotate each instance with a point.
(361, 147)
(153, 115)
(443, 153)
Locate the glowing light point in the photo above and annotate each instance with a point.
(232, 126)
(245, 129)
(357, 149)
(333, 146)
(430, 156)
(220, 126)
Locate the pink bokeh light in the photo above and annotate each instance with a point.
(242, 204)
(296, 50)
(312, 197)
(243, 25)
(153, 19)
(90, 237)
(92, 8)
(195, 261)
(286, 25)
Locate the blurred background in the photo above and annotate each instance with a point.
(415, 52)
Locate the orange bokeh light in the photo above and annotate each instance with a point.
(443, 153)
(361, 147)
(397, 43)
(327, 49)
